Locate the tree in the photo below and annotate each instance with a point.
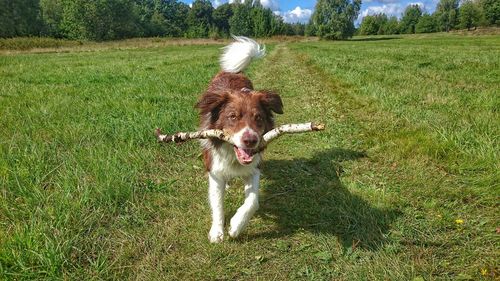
(296, 29)
(200, 18)
(176, 16)
(20, 18)
(261, 20)
(381, 20)
(334, 19)
(368, 26)
(99, 20)
(277, 26)
(392, 26)
(373, 25)
(221, 16)
(7, 25)
(241, 22)
(491, 11)
(122, 18)
(447, 14)
(410, 19)
(145, 10)
(426, 24)
(310, 29)
(51, 13)
(469, 15)
(157, 24)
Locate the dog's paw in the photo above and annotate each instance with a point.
(236, 227)
(216, 235)
(234, 232)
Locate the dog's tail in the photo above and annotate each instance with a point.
(238, 55)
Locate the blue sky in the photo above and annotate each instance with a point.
(301, 11)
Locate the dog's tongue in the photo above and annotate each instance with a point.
(245, 156)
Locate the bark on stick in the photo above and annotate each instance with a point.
(225, 136)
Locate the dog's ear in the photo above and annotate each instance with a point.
(212, 103)
(272, 101)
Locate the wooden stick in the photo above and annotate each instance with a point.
(292, 129)
(182, 137)
(225, 136)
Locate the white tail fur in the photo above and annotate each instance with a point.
(238, 55)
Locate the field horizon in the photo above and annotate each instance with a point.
(403, 184)
(19, 45)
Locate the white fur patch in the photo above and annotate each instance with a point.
(216, 199)
(225, 165)
(240, 220)
(238, 137)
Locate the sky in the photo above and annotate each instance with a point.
(300, 11)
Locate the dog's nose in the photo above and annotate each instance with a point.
(250, 140)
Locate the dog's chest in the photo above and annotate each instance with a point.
(226, 166)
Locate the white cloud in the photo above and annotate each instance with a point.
(378, 2)
(422, 5)
(388, 9)
(394, 9)
(292, 16)
(217, 3)
(271, 4)
(296, 15)
(382, 1)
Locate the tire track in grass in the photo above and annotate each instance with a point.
(398, 171)
(309, 95)
(321, 178)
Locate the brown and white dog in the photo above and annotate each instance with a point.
(230, 103)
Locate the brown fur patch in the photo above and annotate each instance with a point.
(207, 159)
(224, 81)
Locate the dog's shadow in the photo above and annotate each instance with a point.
(308, 195)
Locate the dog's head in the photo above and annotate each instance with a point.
(246, 114)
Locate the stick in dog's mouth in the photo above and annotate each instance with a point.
(245, 154)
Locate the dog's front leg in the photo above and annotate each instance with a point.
(216, 197)
(240, 220)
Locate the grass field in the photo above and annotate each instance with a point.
(403, 185)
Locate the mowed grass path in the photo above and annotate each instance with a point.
(402, 185)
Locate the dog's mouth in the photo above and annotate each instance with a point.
(244, 155)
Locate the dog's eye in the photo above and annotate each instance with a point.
(232, 116)
(258, 118)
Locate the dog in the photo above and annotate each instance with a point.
(230, 103)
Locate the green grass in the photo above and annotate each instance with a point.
(410, 151)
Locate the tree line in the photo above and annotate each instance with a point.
(117, 19)
(100, 20)
(449, 15)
